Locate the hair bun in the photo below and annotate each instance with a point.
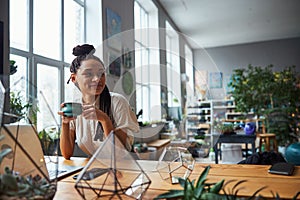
(83, 49)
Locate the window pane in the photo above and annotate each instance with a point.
(71, 91)
(189, 70)
(18, 23)
(173, 69)
(21, 62)
(46, 28)
(18, 80)
(147, 76)
(48, 95)
(73, 27)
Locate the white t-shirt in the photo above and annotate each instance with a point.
(124, 119)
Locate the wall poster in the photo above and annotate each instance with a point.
(114, 28)
(215, 80)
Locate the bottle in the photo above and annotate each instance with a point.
(211, 154)
(263, 146)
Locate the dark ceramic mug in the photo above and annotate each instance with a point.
(72, 109)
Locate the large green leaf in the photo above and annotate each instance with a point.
(203, 176)
(171, 194)
(217, 187)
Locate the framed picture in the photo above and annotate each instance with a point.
(201, 83)
(127, 58)
(215, 80)
(114, 27)
(114, 61)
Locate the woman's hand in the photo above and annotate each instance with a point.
(64, 119)
(91, 112)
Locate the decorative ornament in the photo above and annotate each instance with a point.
(175, 162)
(112, 172)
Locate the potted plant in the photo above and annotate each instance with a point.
(49, 138)
(204, 190)
(225, 128)
(22, 109)
(265, 92)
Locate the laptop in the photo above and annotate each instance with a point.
(28, 157)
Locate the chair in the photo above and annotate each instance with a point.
(269, 140)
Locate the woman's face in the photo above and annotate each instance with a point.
(90, 77)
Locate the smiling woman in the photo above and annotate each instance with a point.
(102, 111)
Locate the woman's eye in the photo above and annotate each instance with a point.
(88, 74)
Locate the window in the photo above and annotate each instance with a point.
(42, 35)
(173, 67)
(147, 70)
(189, 71)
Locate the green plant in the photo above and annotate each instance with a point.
(13, 67)
(225, 128)
(23, 109)
(49, 138)
(29, 187)
(203, 190)
(262, 90)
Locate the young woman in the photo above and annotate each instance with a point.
(102, 111)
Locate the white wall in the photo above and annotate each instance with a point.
(279, 53)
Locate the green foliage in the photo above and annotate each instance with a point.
(19, 107)
(261, 90)
(225, 128)
(14, 185)
(13, 67)
(49, 139)
(203, 190)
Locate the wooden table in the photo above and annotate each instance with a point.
(257, 176)
(236, 138)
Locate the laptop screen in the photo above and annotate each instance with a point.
(27, 155)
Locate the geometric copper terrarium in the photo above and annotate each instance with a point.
(24, 164)
(113, 173)
(175, 162)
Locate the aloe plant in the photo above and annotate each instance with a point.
(204, 190)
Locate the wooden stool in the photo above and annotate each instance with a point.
(267, 138)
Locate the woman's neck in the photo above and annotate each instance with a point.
(90, 99)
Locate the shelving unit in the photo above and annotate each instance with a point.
(199, 121)
(225, 109)
(201, 117)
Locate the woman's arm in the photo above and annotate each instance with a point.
(67, 140)
(93, 113)
(108, 127)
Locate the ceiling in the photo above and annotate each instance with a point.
(212, 23)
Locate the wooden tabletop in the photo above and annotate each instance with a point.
(159, 143)
(256, 176)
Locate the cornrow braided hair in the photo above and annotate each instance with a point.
(86, 52)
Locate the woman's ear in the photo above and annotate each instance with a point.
(73, 78)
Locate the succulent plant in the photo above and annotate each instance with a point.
(30, 187)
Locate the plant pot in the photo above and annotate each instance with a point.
(292, 153)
